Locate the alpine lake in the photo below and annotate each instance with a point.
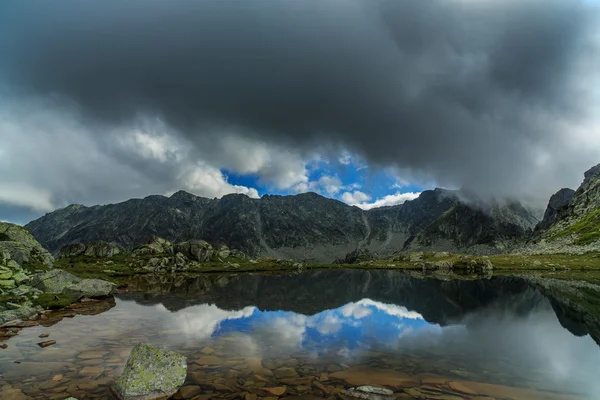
(314, 334)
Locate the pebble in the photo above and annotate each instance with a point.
(47, 343)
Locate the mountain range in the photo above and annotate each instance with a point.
(314, 228)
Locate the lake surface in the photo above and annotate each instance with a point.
(319, 332)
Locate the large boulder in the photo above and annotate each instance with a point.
(100, 249)
(90, 288)
(22, 246)
(197, 250)
(54, 281)
(155, 246)
(58, 281)
(150, 373)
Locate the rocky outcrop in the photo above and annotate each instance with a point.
(17, 247)
(359, 255)
(58, 281)
(99, 249)
(150, 373)
(576, 227)
(197, 250)
(20, 289)
(155, 245)
(21, 246)
(558, 204)
(14, 285)
(306, 226)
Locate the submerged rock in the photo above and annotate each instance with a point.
(369, 393)
(151, 373)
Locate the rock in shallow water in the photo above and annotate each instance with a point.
(151, 373)
(370, 393)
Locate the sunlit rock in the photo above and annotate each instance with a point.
(151, 373)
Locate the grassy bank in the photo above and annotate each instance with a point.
(118, 268)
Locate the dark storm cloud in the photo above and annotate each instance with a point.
(465, 92)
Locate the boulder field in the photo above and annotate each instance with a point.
(28, 284)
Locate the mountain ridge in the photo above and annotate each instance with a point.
(305, 226)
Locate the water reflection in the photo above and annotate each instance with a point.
(387, 328)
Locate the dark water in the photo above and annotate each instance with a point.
(319, 332)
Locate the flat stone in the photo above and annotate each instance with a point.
(48, 384)
(434, 381)
(207, 350)
(255, 365)
(361, 376)
(207, 396)
(209, 360)
(92, 354)
(221, 388)
(459, 387)
(47, 343)
(92, 372)
(277, 391)
(189, 391)
(199, 376)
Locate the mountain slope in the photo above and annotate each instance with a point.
(305, 226)
(579, 222)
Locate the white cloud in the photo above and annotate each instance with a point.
(287, 330)
(356, 310)
(50, 158)
(201, 321)
(345, 158)
(208, 181)
(22, 195)
(389, 200)
(276, 166)
(327, 184)
(330, 184)
(391, 309)
(355, 197)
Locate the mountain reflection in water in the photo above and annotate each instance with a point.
(502, 331)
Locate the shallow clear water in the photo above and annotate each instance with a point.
(319, 332)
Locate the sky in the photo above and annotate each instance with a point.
(368, 102)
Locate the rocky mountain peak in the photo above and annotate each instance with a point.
(591, 174)
(558, 202)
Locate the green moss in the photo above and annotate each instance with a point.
(52, 301)
(587, 229)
